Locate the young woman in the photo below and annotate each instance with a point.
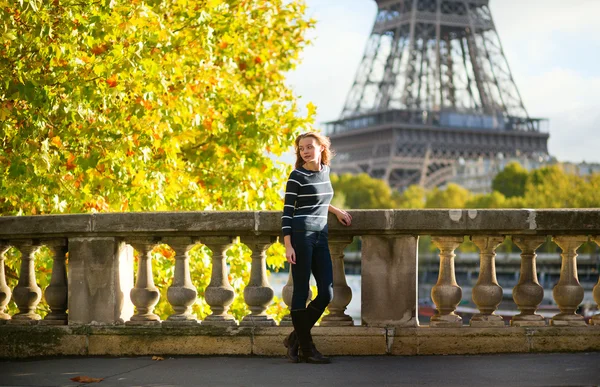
(304, 225)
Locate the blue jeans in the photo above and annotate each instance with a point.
(312, 254)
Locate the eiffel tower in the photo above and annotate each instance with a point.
(433, 88)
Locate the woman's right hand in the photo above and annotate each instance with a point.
(290, 255)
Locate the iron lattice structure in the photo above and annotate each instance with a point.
(433, 86)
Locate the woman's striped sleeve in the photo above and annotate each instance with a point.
(289, 205)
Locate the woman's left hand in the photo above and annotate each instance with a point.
(344, 218)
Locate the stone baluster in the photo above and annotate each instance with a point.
(286, 294)
(27, 293)
(528, 294)
(446, 294)
(596, 291)
(342, 294)
(568, 293)
(182, 293)
(5, 292)
(144, 295)
(219, 294)
(258, 294)
(56, 293)
(487, 293)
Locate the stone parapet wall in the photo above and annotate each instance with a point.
(97, 309)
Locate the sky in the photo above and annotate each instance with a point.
(552, 47)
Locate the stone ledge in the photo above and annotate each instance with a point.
(470, 341)
(41, 341)
(330, 340)
(244, 223)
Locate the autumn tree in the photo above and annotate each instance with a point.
(166, 105)
(453, 196)
(492, 200)
(145, 106)
(413, 197)
(552, 187)
(589, 195)
(511, 180)
(363, 192)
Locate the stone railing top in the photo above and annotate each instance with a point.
(240, 223)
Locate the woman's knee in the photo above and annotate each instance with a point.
(324, 298)
(299, 297)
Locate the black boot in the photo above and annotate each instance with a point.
(313, 316)
(302, 328)
(291, 343)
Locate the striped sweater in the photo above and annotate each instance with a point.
(307, 198)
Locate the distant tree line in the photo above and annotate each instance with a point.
(514, 187)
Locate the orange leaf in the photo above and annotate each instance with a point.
(97, 50)
(56, 141)
(158, 358)
(86, 379)
(70, 164)
(207, 124)
(78, 181)
(112, 81)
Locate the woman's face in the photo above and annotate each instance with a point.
(310, 150)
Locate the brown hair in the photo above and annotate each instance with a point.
(326, 155)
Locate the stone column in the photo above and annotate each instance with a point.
(596, 291)
(144, 295)
(286, 294)
(258, 294)
(5, 292)
(568, 293)
(219, 294)
(389, 281)
(100, 278)
(342, 294)
(487, 294)
(27, 293)
(446, 294)
(528, 294)
(57, 293)
(182, 293)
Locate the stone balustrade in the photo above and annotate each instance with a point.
(95, 289)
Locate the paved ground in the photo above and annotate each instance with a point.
(546, 370)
